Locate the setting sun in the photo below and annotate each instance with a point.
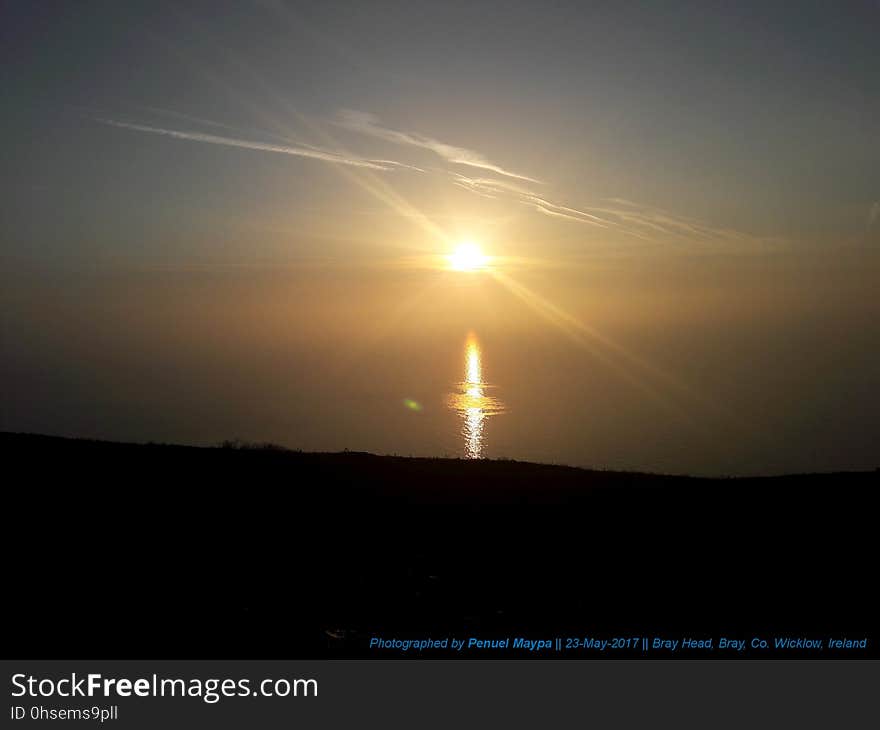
(468, 257)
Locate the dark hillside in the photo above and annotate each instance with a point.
(170, 551)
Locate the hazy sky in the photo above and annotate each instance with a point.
(205, 205)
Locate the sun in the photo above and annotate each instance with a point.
(468, 257)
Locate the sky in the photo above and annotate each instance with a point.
(233, 219)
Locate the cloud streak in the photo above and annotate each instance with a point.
(613, 215)
(368, 124)
(307, 151)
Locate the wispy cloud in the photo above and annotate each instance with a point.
(501, 188)
(308, 151)
(614, 214)
(186, 117)
(368, 124)
(670, 225)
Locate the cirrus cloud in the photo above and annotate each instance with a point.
(368, 124)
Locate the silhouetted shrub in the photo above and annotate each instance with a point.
(242, 445)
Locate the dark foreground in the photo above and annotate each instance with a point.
(119, 550)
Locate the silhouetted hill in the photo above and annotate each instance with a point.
(158, 550)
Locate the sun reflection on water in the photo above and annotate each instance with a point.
(471, 402)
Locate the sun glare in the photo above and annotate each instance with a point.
(468, 257)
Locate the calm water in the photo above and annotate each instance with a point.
(434, 365)
(472, 401)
